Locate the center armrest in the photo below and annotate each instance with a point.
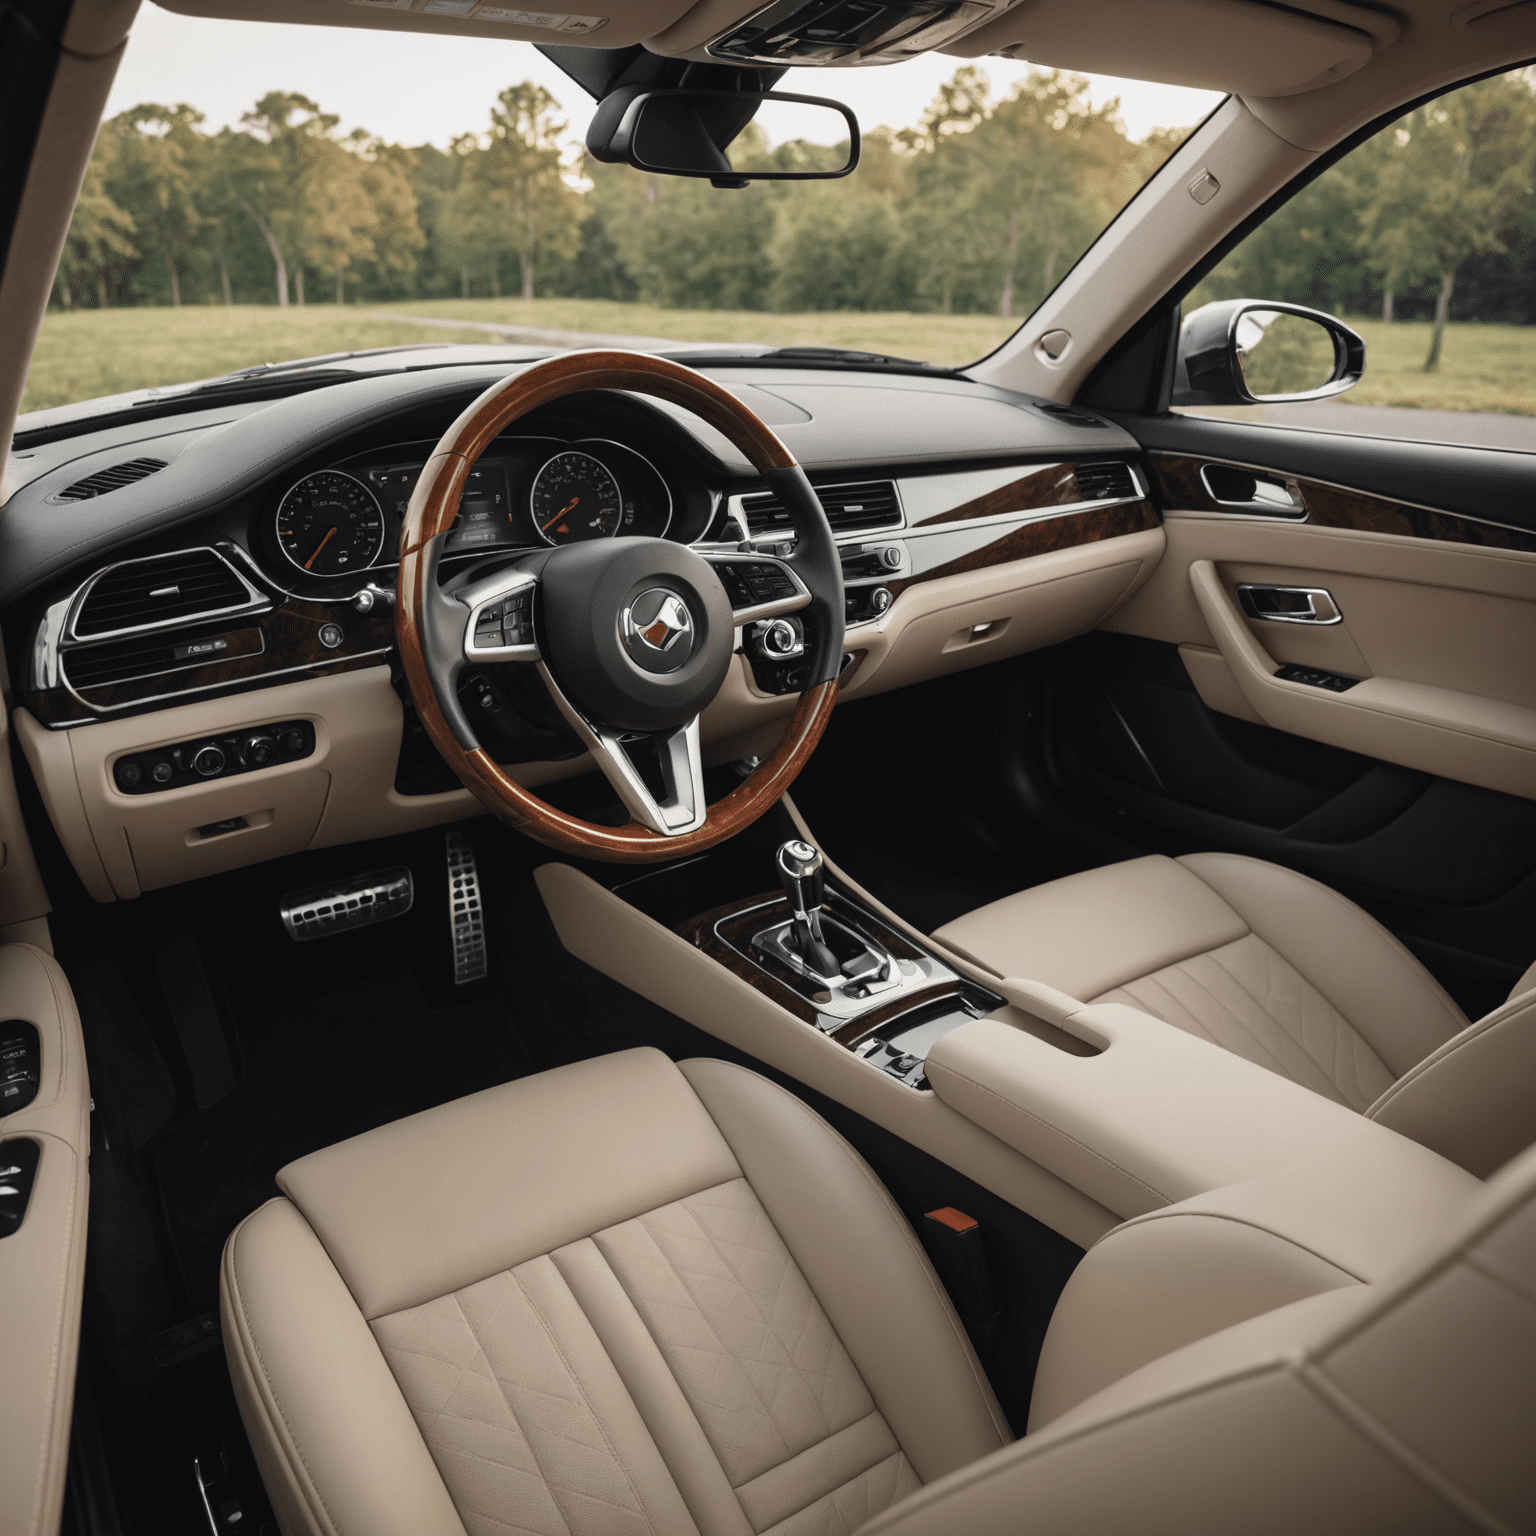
(1155, 1116)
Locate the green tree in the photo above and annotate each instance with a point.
(99, 232)
(154, 173)
(1456, 173)
(515, 177)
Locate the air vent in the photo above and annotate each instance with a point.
(1106, 482)
(190, 583)
(105, 480)
(121, 660)
(849, 508)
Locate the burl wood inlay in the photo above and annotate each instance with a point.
(285, 639)
(1040, 486)
(1177, 482)
(1071, 529)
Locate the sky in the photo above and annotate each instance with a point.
(415, 89)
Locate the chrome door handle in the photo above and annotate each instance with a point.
(1289, 605)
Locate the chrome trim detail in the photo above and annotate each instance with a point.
(256, 602)
(666, 484)
(901, 976)
(533, 487)
(1283, 501)
(188, 664)
(682, 768)
(378, 507)
(737, 513)
(1321, 607)
(478, 597)
(741, 616)
(466, 912)
(345, 905)
(46, 669)
(184, 693)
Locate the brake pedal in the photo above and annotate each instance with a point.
(466, 912)
(344, 905)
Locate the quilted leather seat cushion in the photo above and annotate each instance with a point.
(1277, 968)
(645, 1302)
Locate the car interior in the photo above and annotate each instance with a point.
(958, 956)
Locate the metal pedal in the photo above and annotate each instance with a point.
(340, 907)
(466, 913)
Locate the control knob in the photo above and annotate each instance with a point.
(293, 740)
(890, 557)
(209, 760)
(779, 639)
(259, 749)
(880, 599)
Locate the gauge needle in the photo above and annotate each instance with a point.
(318, 547)
(570, 506)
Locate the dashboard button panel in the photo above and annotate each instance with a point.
(213, 757)
(21, 1059)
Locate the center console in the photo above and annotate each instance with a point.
(827, 959)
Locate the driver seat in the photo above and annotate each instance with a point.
(631, 1297)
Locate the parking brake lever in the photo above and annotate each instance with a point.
(800, 872)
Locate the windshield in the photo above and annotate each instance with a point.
(264, 192)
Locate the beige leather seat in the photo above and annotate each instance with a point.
(1287, 973)
(625, 1296)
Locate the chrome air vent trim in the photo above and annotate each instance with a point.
(253, 601)
(854, 508)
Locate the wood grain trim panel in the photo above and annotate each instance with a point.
(1038, 487)
(1040, 537)
(1177, 484)
(289, 641)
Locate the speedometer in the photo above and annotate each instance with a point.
(330, 524)
(575, 497)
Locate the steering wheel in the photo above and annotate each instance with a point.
(632, 636)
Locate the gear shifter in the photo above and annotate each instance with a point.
(799, 866)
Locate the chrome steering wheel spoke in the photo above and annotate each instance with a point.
(682, 808)
(758, 586)
(500, 622)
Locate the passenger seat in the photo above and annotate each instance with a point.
(1285, 972)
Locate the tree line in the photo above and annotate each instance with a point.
(1439, 207)
(979, 208)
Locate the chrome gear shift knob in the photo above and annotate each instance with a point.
(799, 866)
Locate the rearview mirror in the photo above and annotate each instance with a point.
(725, 136)
(1255, 352)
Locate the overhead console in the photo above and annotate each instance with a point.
(801, 32)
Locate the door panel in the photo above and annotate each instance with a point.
(1435, 620)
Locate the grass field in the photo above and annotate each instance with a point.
(99, 352)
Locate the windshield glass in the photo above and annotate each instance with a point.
(265, 192)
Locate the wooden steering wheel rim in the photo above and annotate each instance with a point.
(431, 512)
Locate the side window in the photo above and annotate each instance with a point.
(1422, 240)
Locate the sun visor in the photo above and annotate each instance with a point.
(1246, 48)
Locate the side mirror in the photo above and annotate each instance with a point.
(702, 133)
(1253, 352)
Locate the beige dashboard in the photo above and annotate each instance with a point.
(993, 563)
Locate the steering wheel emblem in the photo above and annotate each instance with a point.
(658, 630)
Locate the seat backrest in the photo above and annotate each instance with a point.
(1407, 1405)
(1474, 1099)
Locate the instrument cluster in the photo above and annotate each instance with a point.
(526, 493)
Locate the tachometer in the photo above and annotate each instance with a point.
(575, 497)
(330, 524)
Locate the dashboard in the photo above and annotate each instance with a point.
(232, 586)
